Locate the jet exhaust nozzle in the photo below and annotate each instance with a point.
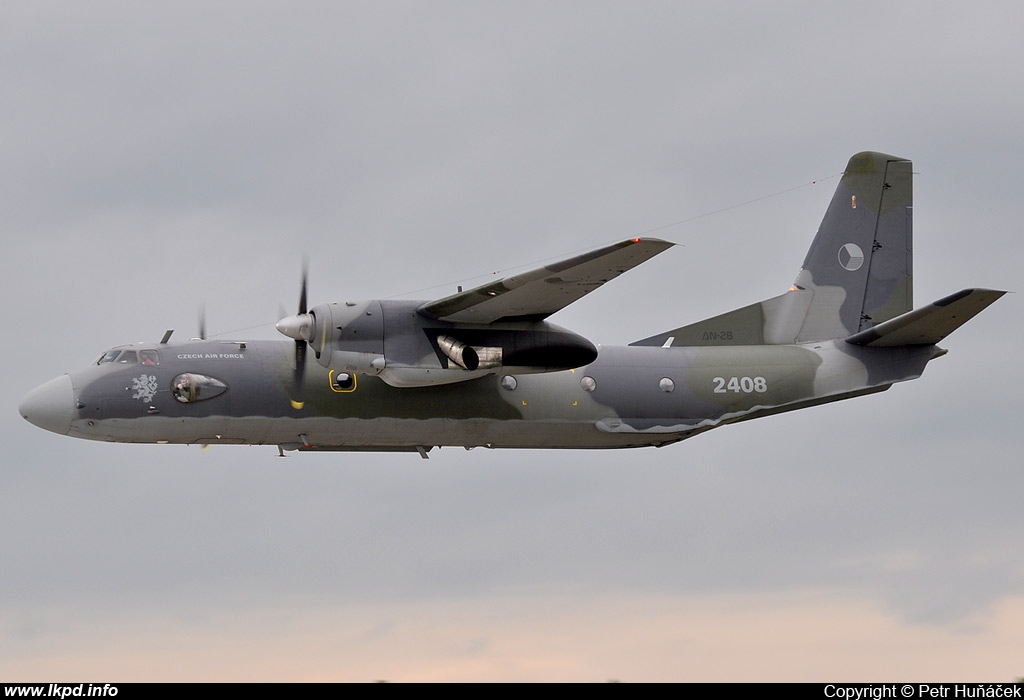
(468, 357)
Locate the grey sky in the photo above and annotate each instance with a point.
(157, 158)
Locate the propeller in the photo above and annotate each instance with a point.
(299, 327)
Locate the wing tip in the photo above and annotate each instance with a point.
(649, 240)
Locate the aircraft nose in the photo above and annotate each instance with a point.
(50, 406)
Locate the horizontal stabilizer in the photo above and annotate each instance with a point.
(929, 324)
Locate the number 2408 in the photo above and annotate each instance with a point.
(738, 385)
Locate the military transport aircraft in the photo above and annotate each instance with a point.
(485, 368)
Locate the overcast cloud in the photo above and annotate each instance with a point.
(157, 158)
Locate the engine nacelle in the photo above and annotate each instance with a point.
(393, 341)
(353, 362)
(349, 337)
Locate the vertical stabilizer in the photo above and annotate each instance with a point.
(857, 274)
(859, 270)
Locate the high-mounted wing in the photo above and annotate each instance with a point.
(537, 294)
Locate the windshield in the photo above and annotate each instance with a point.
(108, 356)
(129, 357)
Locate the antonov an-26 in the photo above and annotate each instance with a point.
(485, 368)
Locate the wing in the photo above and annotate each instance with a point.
(537, 294)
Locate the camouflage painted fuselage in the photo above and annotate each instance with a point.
(628, 397)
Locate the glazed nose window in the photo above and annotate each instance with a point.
(188, 387)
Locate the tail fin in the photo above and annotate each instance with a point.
(859, 268)
(857, 274)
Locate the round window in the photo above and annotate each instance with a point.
(343, 381)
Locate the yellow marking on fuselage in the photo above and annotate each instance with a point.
(330, 381)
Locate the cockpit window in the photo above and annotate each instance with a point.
(147, 357)
(108, 356)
